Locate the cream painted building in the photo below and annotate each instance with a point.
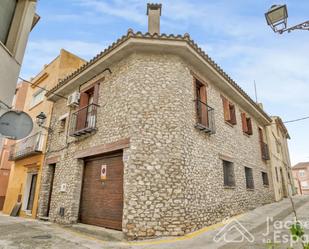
(27, 155)
(17, 18)
(281, 171)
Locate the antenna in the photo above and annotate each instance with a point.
(255, 91)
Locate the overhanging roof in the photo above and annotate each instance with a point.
(180, 45)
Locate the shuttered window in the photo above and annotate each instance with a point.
(229, 111)
(228, 173)
(201, 103)
(246, 124)
(249, 178)
(265, 179)
(7, 9)
(87, 98)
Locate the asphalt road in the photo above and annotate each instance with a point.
(264, 227)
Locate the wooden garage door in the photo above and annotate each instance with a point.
(102, 203)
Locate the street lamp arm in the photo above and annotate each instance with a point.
(302, 26)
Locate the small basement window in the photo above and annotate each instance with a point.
(265, 179)
(228, 172)
(249, 178)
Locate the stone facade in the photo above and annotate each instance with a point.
(173, 173)
(281, 171)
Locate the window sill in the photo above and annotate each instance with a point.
(250, 189)
(266, 186)
(32, 107)
(229, 124)
(6, 49)
(229, 187)
(246, 134)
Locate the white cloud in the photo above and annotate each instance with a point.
(42, 52)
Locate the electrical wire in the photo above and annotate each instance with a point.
(41, 88)
(295, 120)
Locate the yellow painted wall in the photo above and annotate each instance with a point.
(61, 66)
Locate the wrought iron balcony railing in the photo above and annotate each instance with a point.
(205, 117)
(27, 147)
(265, 151)
(83, 121)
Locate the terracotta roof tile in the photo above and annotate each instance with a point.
(301, 165)
(163, 36)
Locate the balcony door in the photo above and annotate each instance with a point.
(201, 103)
(86, 114)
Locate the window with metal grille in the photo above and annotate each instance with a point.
(228, 172)
(249, 178)
(265, 179)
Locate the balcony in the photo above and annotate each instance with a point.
(205, 117)
(27, 147)
(265, 151)
(83, 121)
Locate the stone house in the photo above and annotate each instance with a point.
(301, 176)
(281, 171)
(161, 142)
(26, 156)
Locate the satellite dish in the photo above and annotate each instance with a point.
(15, 125)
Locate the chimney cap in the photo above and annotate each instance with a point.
(154, 6)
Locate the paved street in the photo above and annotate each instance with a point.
(18, 233)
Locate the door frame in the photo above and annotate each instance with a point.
(110, 154)
(27, 191)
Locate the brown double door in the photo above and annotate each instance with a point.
(102, 200)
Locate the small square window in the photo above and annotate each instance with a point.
(265, 179)
(228, 172)
(249, 178)
(62, 122)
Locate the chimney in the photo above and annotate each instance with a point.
(154, 13)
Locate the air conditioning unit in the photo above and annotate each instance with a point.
(73, 99)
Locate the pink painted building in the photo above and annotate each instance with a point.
(301, 176)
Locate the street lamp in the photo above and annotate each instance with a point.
(40, 120)
(277, 19)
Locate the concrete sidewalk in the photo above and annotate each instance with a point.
(23, 233)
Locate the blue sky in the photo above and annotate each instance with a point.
(233, 33)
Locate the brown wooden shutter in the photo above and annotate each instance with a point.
(226, 109)
(204, 111)
(244, 122)
(249, 126)
(261, 135)
(82, 114)
(233, 114)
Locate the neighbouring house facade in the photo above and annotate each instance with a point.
(27, 154)
(281, 170)
(5, 164)
(301, 176)
(17, 18)
(160, 142)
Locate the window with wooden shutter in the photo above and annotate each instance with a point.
(228, 173)
(249, 178)
(229, 111)
(86, 106)
(201, 103)
(246, 124)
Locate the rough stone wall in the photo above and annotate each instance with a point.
(207, 200)
(173, 176)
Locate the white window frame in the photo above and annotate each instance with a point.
(34, 102)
